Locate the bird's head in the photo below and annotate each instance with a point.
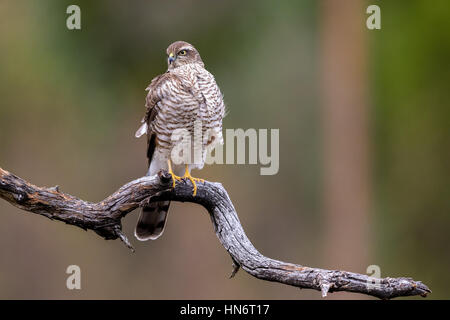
(181, 53)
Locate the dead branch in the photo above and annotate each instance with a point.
(105, 219)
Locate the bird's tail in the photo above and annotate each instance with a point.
(152, 221)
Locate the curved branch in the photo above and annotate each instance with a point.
(105, 219)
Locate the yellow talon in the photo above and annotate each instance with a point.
(174, 176)
(187, 175)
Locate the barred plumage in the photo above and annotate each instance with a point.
(178, 99)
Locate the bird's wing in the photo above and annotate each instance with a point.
(156, 97)
(150, 103)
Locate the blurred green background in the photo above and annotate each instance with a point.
(72, 100)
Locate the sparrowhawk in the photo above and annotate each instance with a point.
(182, 98)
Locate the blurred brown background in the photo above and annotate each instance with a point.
(364, 141)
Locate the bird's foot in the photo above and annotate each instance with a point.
(175, 178)
(187, 175)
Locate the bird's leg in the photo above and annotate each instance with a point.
(174, 176)
(193, 180)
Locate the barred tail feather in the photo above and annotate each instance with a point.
(152, 221)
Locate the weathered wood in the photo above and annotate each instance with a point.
(105, 219)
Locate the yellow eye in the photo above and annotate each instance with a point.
(182, 53)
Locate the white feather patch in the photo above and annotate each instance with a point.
(142, 130)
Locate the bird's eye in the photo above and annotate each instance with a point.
(182, 53)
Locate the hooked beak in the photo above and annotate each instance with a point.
(171, 58)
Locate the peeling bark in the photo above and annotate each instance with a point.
(105, 219)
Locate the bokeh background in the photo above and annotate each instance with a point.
(364, 141)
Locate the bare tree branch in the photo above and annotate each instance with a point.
(105, 219)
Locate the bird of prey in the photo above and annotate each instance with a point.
(179, 99)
